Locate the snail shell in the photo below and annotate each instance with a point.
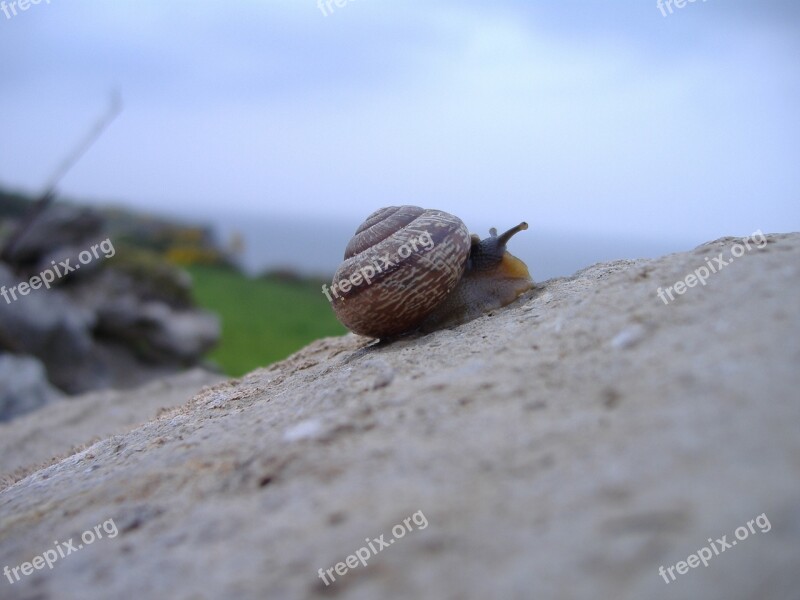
(406, 289)
(389, 285)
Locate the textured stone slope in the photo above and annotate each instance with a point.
(566, 447)
(55, 429)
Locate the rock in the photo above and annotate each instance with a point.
(568, 446)
(158, 332)
(61, 225)
(23, 386)
(147, 275)
(45, 324)
(80, 258)
(77, 331)
(58, 428)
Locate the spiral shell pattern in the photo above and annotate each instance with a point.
(404, 289)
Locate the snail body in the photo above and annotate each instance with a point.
(412, 269)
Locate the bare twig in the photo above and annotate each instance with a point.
(49, 194)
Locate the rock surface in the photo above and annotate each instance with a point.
(57, 429)
(60, 226)
(23, 388)
(118, 322)
(565, 447)
(45, 324)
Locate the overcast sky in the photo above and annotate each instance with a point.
(590, 116)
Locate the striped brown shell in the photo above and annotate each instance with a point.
(406, 289)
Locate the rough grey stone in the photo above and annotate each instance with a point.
(106, 332)
(46, 324)
(564, 447)
(61, 225)
(23, 386)
(157, 330)
(55, 429)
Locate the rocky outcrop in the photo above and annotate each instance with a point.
(126, 317)
(23, 386)
(61, 226)
(567, 446)
(46, 325)
(159, 332)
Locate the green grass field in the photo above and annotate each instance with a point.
(263, 320)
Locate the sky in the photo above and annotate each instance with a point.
(602, 118)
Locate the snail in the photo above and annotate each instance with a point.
(410, 269)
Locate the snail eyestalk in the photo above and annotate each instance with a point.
(488, 253)
(503, 239)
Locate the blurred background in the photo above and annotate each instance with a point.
(255, 137)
